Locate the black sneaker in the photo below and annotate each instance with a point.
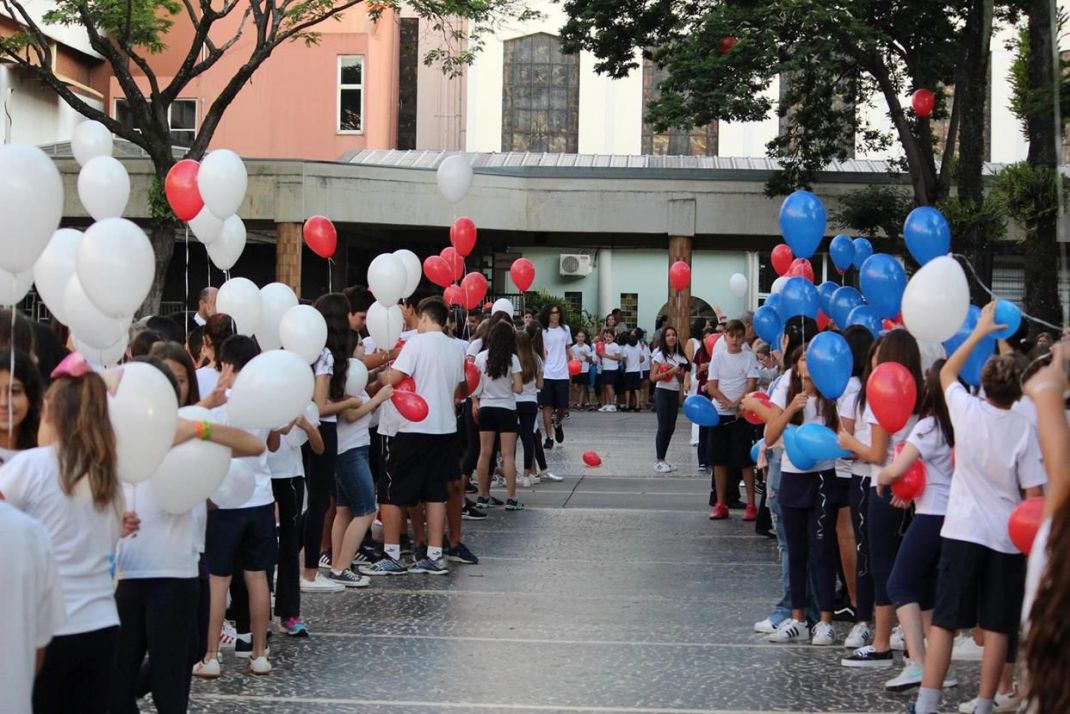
(514, 505)
(496, 501)
(426, 566)
(483, 502)
(420, 553)
(243, 645)
(472, 513)
(470, 487)
(461, 554)
(869, 657)
(736, 505)
(548, 444)
(559, 433)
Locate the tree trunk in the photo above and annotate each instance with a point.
(1041, 243)
(162, 235)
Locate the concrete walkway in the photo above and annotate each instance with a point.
(611, 593)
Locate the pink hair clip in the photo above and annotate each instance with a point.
(73, 365)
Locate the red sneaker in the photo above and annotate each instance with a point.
(751, 513)
(719, 512)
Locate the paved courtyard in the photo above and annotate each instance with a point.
(611, 593)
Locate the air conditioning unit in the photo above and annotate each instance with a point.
(576, 265)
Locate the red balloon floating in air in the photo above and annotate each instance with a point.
(822, 320)
(709, 341)
(781, 258)
(523, 274)
(923, 101)
(320, 236)
(438, 271)
(181, 190)
(1025, 522)
(463, 236)
(891, 393)
(910, 485)
(727, 43)
(454, 260)
(801, 268)
(574, 367)
(474, 286)
(591, 458)
(410, 405)
(454, 296)
(679, 275)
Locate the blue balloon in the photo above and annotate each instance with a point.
(818, 442)
(830, 362)
(768, 325)
(791, 446)
(802, 222)
(825, 291)
(842, 252)
(927, 234)
(1007, 313)
(756, 449)
(700, 410)
(862, 250)
(799, 297)
(777, 303)
(883, 281)
(971, 371)
(842, 302)
(865, 316)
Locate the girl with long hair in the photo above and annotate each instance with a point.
(20, 396)
(557, 337)
(669, 371)
(216, 331)
(500, 380)
(699, 327)
(527, 409)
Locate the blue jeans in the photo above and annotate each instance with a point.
(782, 610)
(356, 487)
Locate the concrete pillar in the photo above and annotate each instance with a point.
(679, 310)
(288, 242)
(606, 299)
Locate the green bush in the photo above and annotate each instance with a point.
(536, 301)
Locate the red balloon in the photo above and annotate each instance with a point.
(910, 485)
(320, 236)
(454, 296)
(591, 458)
(887, 324)
(679, 275)
(487, 307)
(574, 367)
(438, 271)
(523, 274)
(454, 260)
(600, 348)
(727, 43)
(1025, 521)
(181, 190)
(751, 416)
(474, 287)
(407, 384)
(822, 320)
(471, 375)
(709, 341)
(410, 405)
(923, 101)
(801, 268)
(781, 258)
(891, 393)
(463, 236)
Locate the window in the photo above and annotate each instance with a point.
(181, 118)
(629, 309)
(540, 96)
(698, 141)
(350, 94)
(575, 302)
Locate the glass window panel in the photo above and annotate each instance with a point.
(352, 70)
(540, 52)
(183, 138)
(559, 75)
(540, 99)
(184, 114)
(349, 115)
(540, 76)
(558, 144)
(123, 115)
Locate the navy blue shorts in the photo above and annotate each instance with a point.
(240, 535)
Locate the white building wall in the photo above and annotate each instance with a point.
(37, 114)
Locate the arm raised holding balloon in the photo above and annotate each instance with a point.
(986, 325)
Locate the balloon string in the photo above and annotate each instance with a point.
(186, 322)
(962, 259)
(330, 275)
(11, 380)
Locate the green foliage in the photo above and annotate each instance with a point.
(159, 208)
(985, 223)
(138, 23)
(1027, 102)
(1028, 193)
(874, 209)
(536, 301)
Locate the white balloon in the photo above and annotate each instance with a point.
(144, 414)
(387, 277)
(222, 181)
(275, 300)
(303, 331)
(230, 244)
(116, 265)
(101, 359)
(356, 378)
(454, 178)
(270, 391)
(55, 268)
(14, 287)
(297, 437)
(104, 187)
(31, 205)
(90, 140)
(191, 471)
(237, 486)
(240, 298)
(384, 325)
(206, 227)
(936, 300)
(502, 305)
(778, 284)
(87, 322)
(738, 284)
(414, 270)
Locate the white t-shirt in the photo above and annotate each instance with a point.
(810, 416)
(1038, 563)
(644, 362)
(611, 357)
(262, 494)
(474, 347)
(556, 341)
(324, 367)
(531, 392)
(585, 355)
(496, 392)
(845, 407)
(928, 439)
(83, 536)
(437, 367)
(894, 440)
(996, 454)
(863, 432)
(731, 371)
(33, 603)
(633, 356)
(659, 358)
(354, 434)
(207, 379)
(286, 462)
(165, 545)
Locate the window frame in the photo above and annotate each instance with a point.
(170, 128)
(339, 87)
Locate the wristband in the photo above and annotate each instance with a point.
(203, 430)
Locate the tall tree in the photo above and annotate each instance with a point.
(127, 33)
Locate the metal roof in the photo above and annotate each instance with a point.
(121, 149)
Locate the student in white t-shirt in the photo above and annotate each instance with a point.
(670, 370)
(645, 386)
(982, 574)
(633, 358)
(556, 337)
(528, 347)
(216, 331)
(24, 387)
(80, 503)
(582, 352)
(495, 402)
(611, 354)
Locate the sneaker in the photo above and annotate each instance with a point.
(325, 560)
(349, 579)
(420, 553)
(736, 505)
(703, 469)
(765, 627)
(483, 502)
(470, 487)
(790, 630)
(603, 409)
(909, 678)
(559, 433)
(547, 476)
(662, 468)
(719, 512)
(612, 408)
(750, 514)
(525, 482)
(207, 669)
(951, 679)
(548, 444)
(320, 585)
(869, 657)
(294, 626)
(496, 501)
(823, 635)
(535, 479)
(897, 642)
(228, 636)
(966, 650)
(514, 505)
(260, 666)
(426, 566)
(366, 555)
(385, 566)
(471, 513)
(498, 481)
(243, 648)
(859, 637)
(1004, 703)
(461, 554)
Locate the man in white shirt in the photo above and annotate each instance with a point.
(205, 306)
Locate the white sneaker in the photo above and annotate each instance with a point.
(525, 482)
(1005, 703)
(951, 679)
(547, 476)
(765, 627)
(260, 666)
(909, 678)
(228, 636)
(662, 468)
(823, 635)
(790, 630)
(611, 408)
(604, 409)
(966, 650)
(320, 585)
(897, 642)
(207, 669)
(535, 480)
(860, 636)
(325, 560)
